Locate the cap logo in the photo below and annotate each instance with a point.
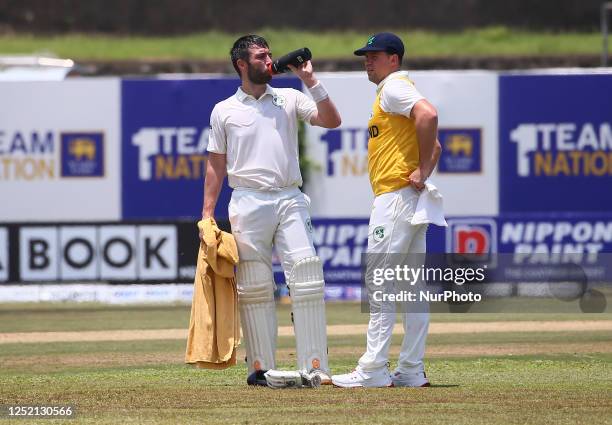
(371, 40)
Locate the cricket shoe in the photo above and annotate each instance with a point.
(257, 378)
(361, 378)
(402, 379)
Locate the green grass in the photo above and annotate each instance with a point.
(177, 347)
(50, 317)
(215, 45)
(549, 391)
(134, 382)
(485, 390)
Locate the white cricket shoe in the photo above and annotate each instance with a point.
(402, 379)
(361, 378)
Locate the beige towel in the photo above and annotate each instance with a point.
(214, 326)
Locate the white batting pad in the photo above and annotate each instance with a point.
(306, 288)
(257, 314)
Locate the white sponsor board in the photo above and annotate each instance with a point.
(59, 150)
(467, 102)
(99, 293)
(19, 293)
(102, 252)
(76, 261)
(38, 253)
(4, 254)
(133, 294)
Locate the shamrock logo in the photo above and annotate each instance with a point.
(379, 233)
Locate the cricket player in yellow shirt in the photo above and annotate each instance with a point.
(403, 151)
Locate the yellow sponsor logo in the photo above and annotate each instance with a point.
(171, 153)
(563, 149)
(181, 166)
(82, 148)
(572, 163)
(26, 168)
(459, 144)
(27, 155)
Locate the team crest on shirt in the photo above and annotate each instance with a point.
(379, 233)
(308, 225)
(279, 100)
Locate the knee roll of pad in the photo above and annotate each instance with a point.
(254, 282)
(253, 272)
(306, 279)
(255, 293)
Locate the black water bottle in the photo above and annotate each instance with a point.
(295, 58)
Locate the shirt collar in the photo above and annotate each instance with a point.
(389, 77)
(242, 96)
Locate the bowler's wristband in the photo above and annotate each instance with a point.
(318, 92)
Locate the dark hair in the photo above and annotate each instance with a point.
(240, 49)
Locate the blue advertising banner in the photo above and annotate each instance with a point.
(527, 234)
(340, 244)
(164, 138)
(521, 239)
(559, 237)
(535, 247)
(555, 135)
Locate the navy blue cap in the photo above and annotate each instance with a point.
(382, 42)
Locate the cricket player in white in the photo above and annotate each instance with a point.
(253, 139)
(402, 152)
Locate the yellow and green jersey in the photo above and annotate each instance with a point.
(393, 149)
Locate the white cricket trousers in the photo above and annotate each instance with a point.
(390, 232)
(261, 220)
(281, 218)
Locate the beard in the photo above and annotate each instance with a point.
(257, 76)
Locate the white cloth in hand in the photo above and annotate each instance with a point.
(429, 207)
